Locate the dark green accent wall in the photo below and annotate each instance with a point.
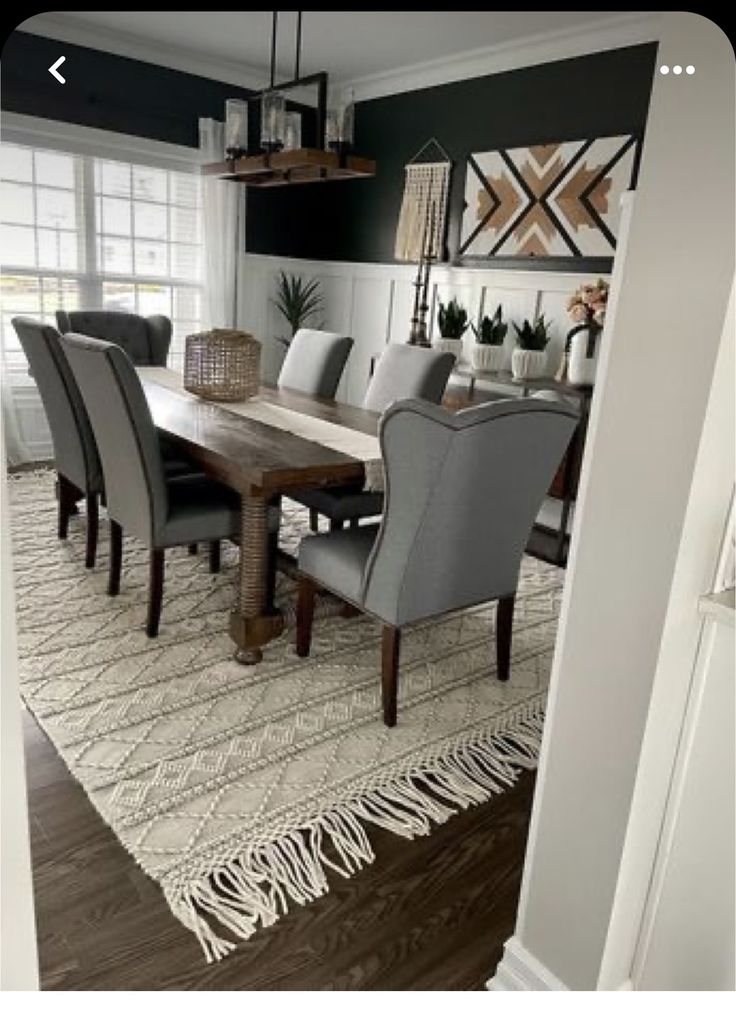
(601, 94)
(604, 93)
(108, 92)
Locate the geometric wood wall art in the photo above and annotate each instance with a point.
(551, 200)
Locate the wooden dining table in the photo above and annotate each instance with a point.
(261, 463)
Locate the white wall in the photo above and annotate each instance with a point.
(679, 843)
(18, 960)
(372, 303)
(671, 290)
(687, 941)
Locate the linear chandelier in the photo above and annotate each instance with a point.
(278, 158)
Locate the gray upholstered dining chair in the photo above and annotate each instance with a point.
(315, 362)
(162, 514)
(462, 493)
(145, 340)
(403, 372)
(78, 469)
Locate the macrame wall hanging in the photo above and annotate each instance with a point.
(421, 228)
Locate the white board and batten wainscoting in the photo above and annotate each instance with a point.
(373, 303)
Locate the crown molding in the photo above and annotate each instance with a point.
(623, 30)
(56, 26)
(548, 47)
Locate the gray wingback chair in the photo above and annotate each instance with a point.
(403, 372)
(162, 514)
(462, 494)
(315, 362)
(77, 462)
(145, 340)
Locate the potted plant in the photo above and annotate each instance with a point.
(488, 350)
(297, 300)
(587, 308)
(529, 358)
(452, 320)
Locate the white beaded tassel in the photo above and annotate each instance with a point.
(425, 187)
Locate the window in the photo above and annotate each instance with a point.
(84, 232)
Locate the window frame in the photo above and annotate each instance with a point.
(90, 145)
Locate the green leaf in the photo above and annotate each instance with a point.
(297, 300)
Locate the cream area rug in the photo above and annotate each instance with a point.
(241, 789)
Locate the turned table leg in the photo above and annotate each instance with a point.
(251, 624)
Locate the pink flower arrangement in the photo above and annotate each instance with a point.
(588, 304)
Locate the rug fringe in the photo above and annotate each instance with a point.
(256, 888)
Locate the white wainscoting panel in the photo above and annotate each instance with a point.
(373, 303)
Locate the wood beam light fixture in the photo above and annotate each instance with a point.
(280, 159)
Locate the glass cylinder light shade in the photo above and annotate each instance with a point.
(347, 122)
(293, 131)
(273, 120)
(332, 130)
(236, 128)
(340, 125)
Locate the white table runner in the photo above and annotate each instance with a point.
(364, 447)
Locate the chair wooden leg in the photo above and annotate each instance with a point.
(155, 590)
(214, 556)
(390, 648)
(193, 548)
(314, 520)
(304, 615)
(116, 558)
(93, 523)
(66, 494)
(336, 524)
(504, 625)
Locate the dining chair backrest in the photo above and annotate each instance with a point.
(75, 451)
(405, 372)
(145, 340)
(126, 436)
(462, 493)
(315, 362)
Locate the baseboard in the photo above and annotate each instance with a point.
(518, 971)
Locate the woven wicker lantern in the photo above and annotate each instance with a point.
(222, 365)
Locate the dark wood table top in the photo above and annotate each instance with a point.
(252, 457)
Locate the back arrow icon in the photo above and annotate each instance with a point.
(53, 69)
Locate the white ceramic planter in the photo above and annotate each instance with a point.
(528, 364)
(488, 357)
(580, 368)
(453, 346)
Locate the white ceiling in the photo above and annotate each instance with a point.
(350, 45)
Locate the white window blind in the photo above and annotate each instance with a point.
(78, 231)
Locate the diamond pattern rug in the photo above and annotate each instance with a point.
(237, 788)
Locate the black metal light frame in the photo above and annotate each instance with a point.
(320, 78)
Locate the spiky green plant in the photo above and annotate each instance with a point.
(452, 320)
(297, 300)
(492, 329)
(533, 336)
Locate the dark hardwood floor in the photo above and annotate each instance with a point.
(428, 914)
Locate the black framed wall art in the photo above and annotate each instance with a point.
(554, 206)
